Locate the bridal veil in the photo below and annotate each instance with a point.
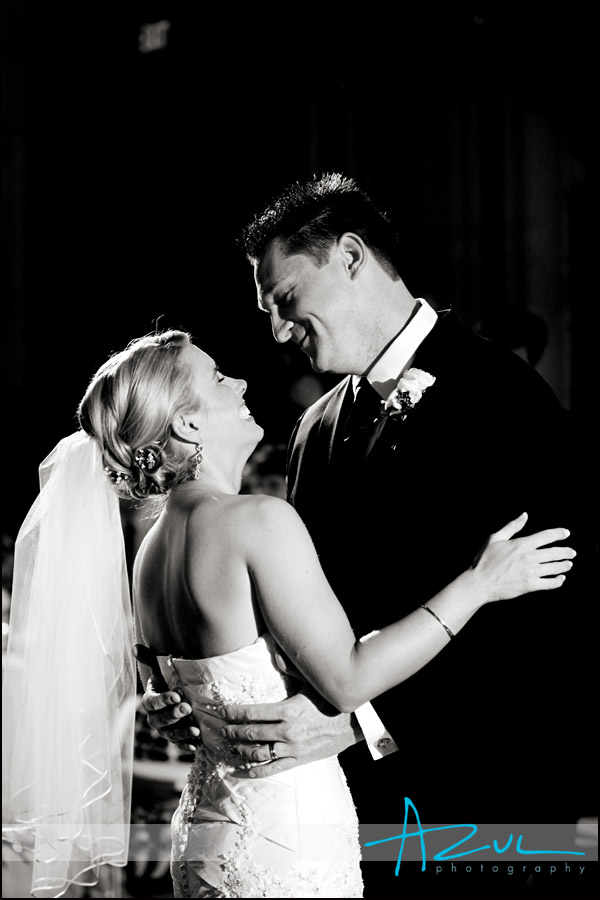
(68, 695)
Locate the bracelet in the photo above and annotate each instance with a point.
(431, 612)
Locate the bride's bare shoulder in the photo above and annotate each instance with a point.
(243, 516)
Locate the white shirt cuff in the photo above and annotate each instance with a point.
(379, 740)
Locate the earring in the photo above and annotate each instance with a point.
(197, 458)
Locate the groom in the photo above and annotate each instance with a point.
(397, 509)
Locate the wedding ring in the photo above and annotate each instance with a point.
(272, 750)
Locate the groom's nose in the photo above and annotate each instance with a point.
(282, 329)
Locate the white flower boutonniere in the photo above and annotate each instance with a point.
(407, 393)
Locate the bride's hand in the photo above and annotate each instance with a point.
(510, 567)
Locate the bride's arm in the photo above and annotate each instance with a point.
(307, 621)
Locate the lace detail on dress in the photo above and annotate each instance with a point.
(242, 877)
(243, 688)
(288, 835)
(251, 880)
(187, 807)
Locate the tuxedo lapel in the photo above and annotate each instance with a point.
(440, 349)
(331, 424)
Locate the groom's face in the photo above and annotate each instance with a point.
(309, 304)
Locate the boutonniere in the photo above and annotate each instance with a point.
(407, 393)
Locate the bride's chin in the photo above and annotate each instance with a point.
(257, 430)
(253, 441)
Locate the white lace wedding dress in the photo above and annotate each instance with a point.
(288, 835)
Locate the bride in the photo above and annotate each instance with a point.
(230, 596)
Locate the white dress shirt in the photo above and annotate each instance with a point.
(391, 365)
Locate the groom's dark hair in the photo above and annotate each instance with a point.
(309, 217)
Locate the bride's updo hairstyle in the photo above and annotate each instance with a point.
(129, 406)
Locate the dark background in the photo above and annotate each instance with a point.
(128, 173)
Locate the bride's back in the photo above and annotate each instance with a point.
(192, 589)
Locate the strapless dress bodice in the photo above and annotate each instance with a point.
(255, 673)
(292, 834)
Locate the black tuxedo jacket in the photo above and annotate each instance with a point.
(491, 729)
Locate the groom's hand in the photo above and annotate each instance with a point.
(168, 715)
(299, 730)
(164, 710)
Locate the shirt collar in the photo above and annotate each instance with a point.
(392, 364)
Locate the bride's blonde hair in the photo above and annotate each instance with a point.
(129, 406)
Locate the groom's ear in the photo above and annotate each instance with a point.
(353, 253)
(186, 427)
